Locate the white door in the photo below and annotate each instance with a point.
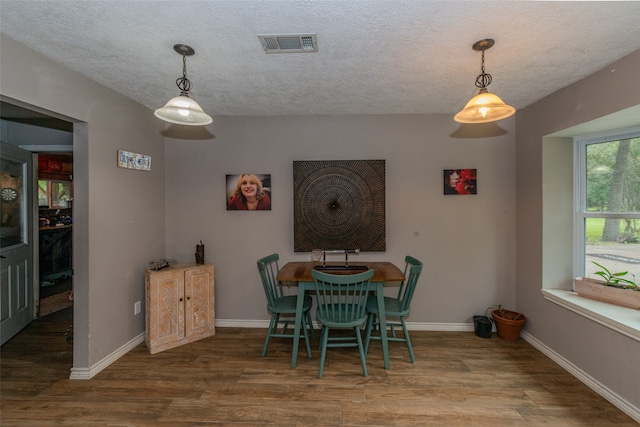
(16, 240)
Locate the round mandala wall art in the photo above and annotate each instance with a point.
(339, 204)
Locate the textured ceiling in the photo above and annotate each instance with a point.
(375, 57)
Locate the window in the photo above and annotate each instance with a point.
(54, 194)
(607, 196)
(578, 176)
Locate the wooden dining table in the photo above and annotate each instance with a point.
(299, 273)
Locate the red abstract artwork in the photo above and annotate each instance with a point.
(460, 181)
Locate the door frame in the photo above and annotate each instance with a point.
(81, 368)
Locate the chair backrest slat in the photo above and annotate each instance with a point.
(342, 298)
(268, 268)
(412, 270)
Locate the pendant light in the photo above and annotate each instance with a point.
(485, 107)
(183, 110)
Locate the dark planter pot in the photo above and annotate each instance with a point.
(482, 326)
(509, 325)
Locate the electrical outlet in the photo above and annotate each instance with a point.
(137, 307)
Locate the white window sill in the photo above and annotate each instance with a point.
(620, 319)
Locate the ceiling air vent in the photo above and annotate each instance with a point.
(292, 43)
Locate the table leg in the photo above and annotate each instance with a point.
(383, 323)
(299, 319)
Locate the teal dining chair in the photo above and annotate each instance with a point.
(342, 301)
(398, 307)
(279, 304)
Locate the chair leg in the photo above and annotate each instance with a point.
(272, 324)
(324, 339)
(367, 332)
(306, 338)
(363, 360)
(310, 323)
(408, 340)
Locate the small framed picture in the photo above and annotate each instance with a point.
(248, 192)
(460, 181)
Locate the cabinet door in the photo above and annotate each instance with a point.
(166, 307)
(200, 302)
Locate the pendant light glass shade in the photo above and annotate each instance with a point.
(183, 110)
(485, 107)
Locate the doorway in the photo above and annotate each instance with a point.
(50, 142)
(55, 223)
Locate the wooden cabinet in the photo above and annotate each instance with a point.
(55, 166)
(180, 305)
(55, 252)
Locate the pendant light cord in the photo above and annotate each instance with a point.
(183, 82)
(483, 80)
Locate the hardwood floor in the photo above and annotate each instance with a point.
(54, 303)
(458, 380)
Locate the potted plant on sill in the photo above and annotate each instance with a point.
(615, 288)
(509, 323)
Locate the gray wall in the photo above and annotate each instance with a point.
(586, 106)
(466, 242)
(119, 216)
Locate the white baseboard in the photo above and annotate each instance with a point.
(586, 379)
(241, 323)
(451, 327)
(446, 327)
(88, 373)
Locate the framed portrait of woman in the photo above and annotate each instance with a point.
(460, 181)
(248, 192)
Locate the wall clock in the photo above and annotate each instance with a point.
(8, 194)
(339, 204)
